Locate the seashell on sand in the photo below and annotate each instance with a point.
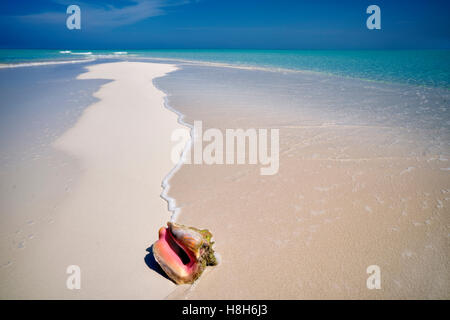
(184, 252)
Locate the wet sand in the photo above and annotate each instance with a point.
(110, 215)
(352, 191)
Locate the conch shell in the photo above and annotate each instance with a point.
(184, 252)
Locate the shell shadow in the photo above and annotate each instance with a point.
(152, 264)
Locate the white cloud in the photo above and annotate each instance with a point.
(106, 15)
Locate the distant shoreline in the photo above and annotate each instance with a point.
(429, 68)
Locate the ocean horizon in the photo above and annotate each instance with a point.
(429, 68)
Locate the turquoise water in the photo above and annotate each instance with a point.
(26, 56)
(417, 67)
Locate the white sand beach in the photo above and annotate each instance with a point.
(112, 212)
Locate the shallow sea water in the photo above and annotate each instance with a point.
(363, 180)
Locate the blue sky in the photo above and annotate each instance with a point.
(245, 24)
